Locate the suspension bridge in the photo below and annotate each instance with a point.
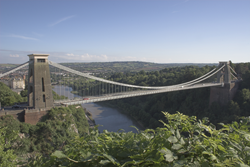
(222, 79)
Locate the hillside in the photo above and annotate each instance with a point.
(132, 66)
(55, 130)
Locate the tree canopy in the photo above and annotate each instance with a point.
(8, 97)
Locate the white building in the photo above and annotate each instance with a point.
(17, 83)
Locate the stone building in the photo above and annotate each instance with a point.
(17, 83)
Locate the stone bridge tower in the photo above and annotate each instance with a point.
(224, 75)
(226, 93)
(39, 82)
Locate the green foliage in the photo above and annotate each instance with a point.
(24, 93)
(59, 126)
(243, 99)
(80, 119)
(8, 97)
(11, 124)
(7, 157)
(56, 129)
(58, 97)
(183, 141)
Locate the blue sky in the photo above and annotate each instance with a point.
(160, 31)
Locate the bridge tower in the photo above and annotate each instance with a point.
(39, 82)
(226, 93)
(224, 75)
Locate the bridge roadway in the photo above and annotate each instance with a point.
(121, 95)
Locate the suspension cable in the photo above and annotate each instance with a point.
(117, 83)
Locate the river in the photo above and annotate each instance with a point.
(109, 118)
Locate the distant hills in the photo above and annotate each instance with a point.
(121, 66)
(131, 66)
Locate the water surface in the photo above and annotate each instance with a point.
(110, 118)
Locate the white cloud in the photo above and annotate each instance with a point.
(131, 58)
(20, 56)
(83, 57)
(88, 57)
(22, 37)
(14, 55)
(70, 54)
(61, 20)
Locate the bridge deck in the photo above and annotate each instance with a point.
(120, 95)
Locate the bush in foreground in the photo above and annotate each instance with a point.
(184, 141)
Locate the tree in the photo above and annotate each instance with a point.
(9, 100)
(231, 64)
(246, 80)
(233, 108)
(7, 157)
(7, 96)
(142, 72)
(24, 93)
(243, 96)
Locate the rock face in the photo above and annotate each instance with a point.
(73, 128)
(21, 135)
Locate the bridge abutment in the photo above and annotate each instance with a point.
(31, 116)
(34, 116)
